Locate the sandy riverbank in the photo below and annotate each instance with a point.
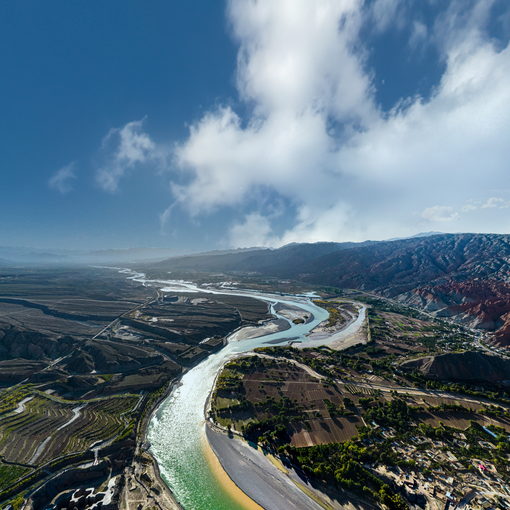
(226, 482)
(271, 326)
(255, 475)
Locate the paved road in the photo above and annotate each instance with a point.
(256, 476)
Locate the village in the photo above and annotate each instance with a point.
(439, 476)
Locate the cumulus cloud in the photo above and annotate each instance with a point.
(311, 135)
(62, 180)
(496, 203)
(490, 203)
(254, 230)
(440, 213)
(125, 148)
(316, 136)
(304, 80)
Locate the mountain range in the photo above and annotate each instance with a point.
(462, 276)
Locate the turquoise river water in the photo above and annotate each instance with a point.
(177, 429)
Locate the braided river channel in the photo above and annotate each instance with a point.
(177, 429)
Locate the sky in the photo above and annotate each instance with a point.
(204, 125)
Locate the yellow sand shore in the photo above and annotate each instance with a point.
(224, 480)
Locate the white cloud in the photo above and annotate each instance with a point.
(419, 33)
(253, 230)
(443, 213)
(386, 13)
(302, 76)
(294, 59)
(440, 213)
(496, 203)
(489, 203)
(165, 216)
(470, 206)
(315, 137)
(318, 224)
(126, 147)
(62, 180)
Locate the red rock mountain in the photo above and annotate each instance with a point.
(463, 276)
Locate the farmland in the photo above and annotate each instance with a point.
(360, 421)
(60, 426)
(274, 392)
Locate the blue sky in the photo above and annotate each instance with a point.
(202, 125)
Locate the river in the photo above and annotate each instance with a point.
(177, 430)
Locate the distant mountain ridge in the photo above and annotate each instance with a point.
(464, 276)
(21, 256)
(261, 260)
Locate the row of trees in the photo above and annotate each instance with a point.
(395, 413)
(343, 465)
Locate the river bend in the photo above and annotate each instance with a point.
(177, 430)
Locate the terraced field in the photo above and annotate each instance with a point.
(360, 391)
(42, 428)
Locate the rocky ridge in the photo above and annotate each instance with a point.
(470, 366)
